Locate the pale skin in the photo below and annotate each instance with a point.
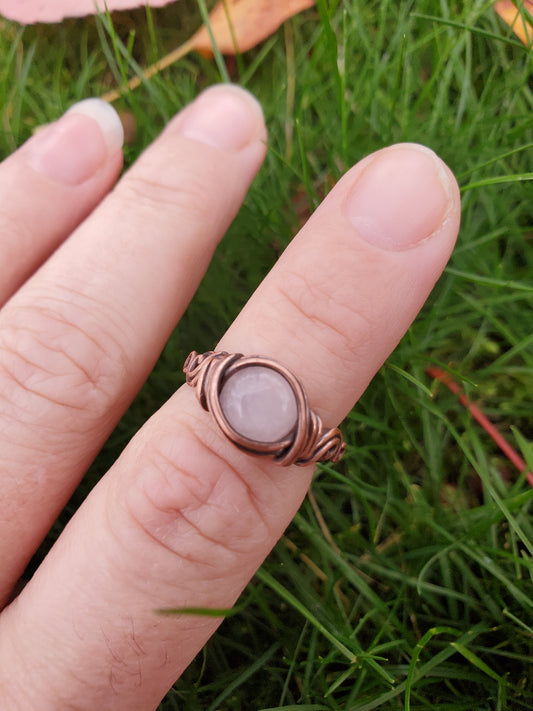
(92, 284)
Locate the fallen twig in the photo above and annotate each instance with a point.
(511, 454)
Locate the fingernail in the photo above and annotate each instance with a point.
(72, 149)
(401, 197)
(224, 116)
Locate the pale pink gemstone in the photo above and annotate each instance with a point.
(259, 404)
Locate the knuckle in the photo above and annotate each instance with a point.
(338, 318)
(13, 692)
(14, 234)
(184, 192)
(15, 240)
(194, 505)
(57, 350)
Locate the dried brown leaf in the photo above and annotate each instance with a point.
(519, 22)
(236, 26)
(239, 25)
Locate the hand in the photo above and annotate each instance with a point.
(183, 518)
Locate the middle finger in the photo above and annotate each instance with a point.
(77, 342)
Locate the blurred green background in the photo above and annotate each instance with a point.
(405, 581)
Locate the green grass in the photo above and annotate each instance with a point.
(406, 580)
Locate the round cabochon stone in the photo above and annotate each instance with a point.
(259, 404)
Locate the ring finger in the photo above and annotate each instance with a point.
(184, 518)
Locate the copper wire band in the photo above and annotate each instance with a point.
(308, 442)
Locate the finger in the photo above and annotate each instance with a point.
(78, 341)
(184, 518)
(51, 184)
(345, 306)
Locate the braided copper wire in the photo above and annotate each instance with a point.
(310, 441)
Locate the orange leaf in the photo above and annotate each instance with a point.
(252, 21)
(519, 22)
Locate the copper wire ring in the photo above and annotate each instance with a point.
(309, 441)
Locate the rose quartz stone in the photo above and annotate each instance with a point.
(259, 404)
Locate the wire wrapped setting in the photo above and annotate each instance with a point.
(308, 442)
